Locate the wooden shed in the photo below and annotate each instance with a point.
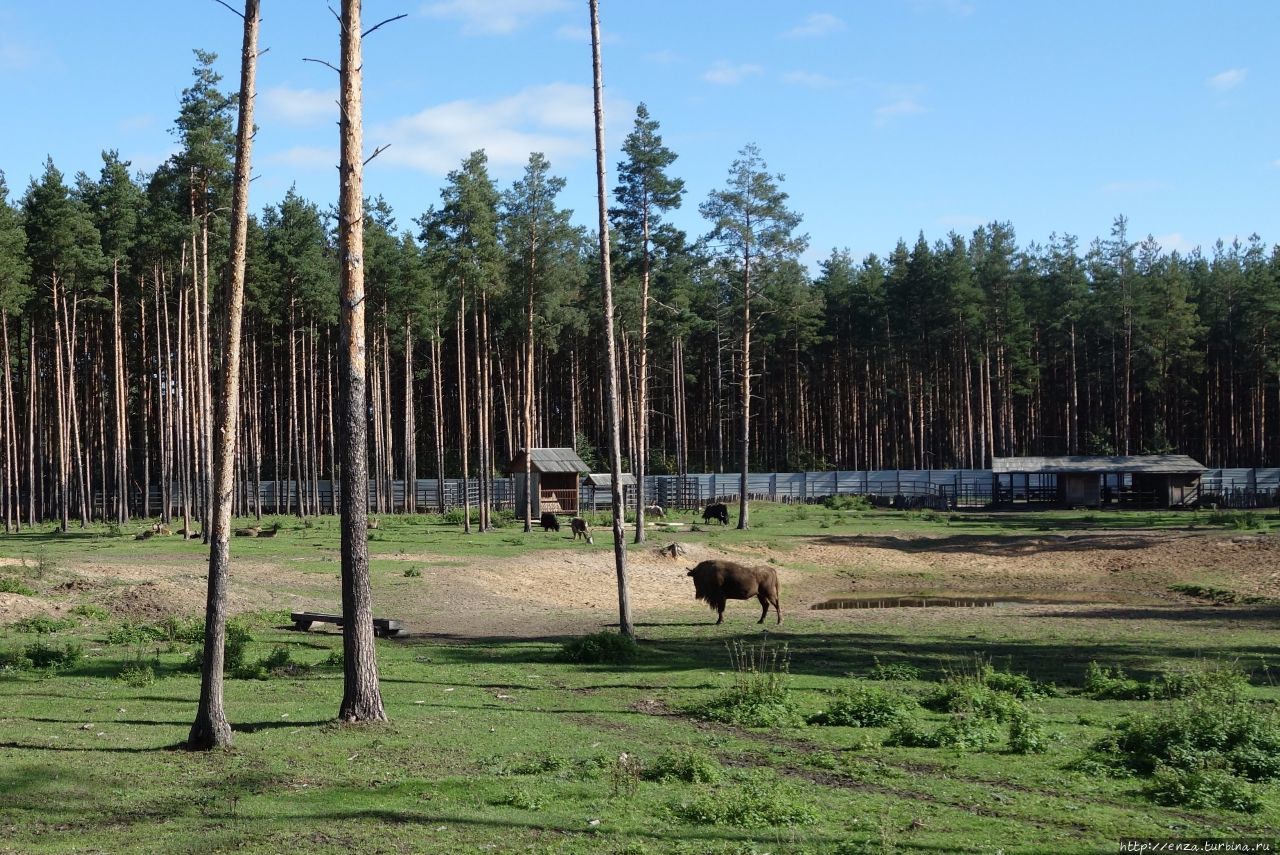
(1145, 480)
(598, 489)
(555, 473)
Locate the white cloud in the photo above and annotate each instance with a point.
(555, 119)
(493, 17)
(816, 25)
(897, 109)
(664, 57)
(1175, 241)
(728, 74)
(1225, 81)
(299, 106)
(306, 157)
(809, 78)
(1275, 164)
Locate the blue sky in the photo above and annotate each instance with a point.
(886, 118)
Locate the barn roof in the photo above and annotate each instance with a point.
(549, 460)
(1160, 464)
(604, 480)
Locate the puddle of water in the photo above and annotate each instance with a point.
(969, 600)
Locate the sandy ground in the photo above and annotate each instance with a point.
(572, 590)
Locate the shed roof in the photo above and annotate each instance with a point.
(605, 480)
(1141, 463)
(549, 460)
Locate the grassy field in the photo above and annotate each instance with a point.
(497, 744)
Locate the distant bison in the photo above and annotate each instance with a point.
(549, 522)
(581, 529)
(655, 511)
(717, 511)
(717, 580)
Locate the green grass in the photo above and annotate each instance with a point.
(497, 744)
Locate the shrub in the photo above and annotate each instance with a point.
(1026, 735)
(611, 648)
(864, 706)
(10, 585)
(968, 696)
(413, 573)
(893, 671)
(962, 731)
(1218, 595)
(756, 804)
(137, 674)
(688, 765)
(1108, 683)
(521, 798)
(1197, 752)
(537, 765)
(233, 650)
(760, 696)
(182, 630)
(91, 611)
(1202, 788)
(1239, 520)
(847, 503)
(44, 655)
(44, 624)
(134, 633)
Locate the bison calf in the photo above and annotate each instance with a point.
(717, 511)
(717, 581)
(581, 529)
(549, 522)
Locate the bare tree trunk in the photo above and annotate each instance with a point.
(211, 728)
(361, 697)
(611, 356)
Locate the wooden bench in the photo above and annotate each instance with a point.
(382, 627)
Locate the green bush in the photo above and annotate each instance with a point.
(91, 611)
(134, 633)
(539, 764)
(137, 674)
(44, 624)
(893, 671)
(1110, 683)
(758, 803)
(864, 706)
(1202, 788)
(43, 655)
(1026, 735)
(1239, 520)
(237, 639)
(688, 765)
(1218, 595)
(760, 695)
(600, 648)
(962, 731)
(10, 585)
(847, 503)
(413, 573)
(1197, 752)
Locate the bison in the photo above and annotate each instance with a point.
(717, 580)
(581, 529)
(549, 522)
(655, 511)
(718, 511)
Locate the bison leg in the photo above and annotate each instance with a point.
(764, 602)
(720, 613)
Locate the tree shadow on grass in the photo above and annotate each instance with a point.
(838, 654)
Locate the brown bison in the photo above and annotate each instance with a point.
(655, 511)
(717, 580)
(717, 511)
(581, 529)
(549, 522)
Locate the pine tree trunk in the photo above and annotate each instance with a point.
(362, 699)
(625, 625)
(211, 728)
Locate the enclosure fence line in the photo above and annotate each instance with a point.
(940, 489)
